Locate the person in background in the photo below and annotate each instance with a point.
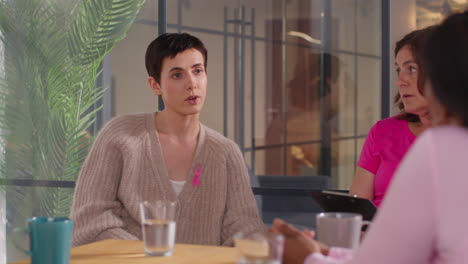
(168, 155)
(423, 218)
(303, 110)
(389, 139)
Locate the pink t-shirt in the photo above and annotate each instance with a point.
(424, 218)
(385, 146)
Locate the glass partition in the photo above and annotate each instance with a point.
(295, 83)
(287, 80)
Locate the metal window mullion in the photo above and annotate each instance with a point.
(385, 72)
(162, 28)
(37, 183)
(284, 91)
(356, 76)
(179, 16)
(242, 82)
(237, 79)
(107, 105)
(225, 72)
(252, 70)
(325, 71)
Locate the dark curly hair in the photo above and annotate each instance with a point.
(446, 63)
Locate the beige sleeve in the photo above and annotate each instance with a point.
(96, 209)
(241, 213)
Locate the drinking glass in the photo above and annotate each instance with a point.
(259, 248)
(158, 227)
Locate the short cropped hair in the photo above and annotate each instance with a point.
(445, 60)
(168, 45)
(415, 40)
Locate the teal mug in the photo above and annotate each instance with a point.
(50, 239)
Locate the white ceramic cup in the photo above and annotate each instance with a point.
(340, 229)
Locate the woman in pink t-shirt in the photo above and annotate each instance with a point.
(389, 139)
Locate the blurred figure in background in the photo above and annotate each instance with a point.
(303, 117)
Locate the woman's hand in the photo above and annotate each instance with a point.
(311, 234)
(298, 245)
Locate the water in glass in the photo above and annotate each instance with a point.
(159, 237)
(259, 248)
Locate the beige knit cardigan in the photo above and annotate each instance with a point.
(126, 166)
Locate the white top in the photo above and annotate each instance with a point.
(177, 186)
(423, 218)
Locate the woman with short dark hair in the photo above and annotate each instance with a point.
(167, 155)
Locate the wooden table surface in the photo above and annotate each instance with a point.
(132, 252)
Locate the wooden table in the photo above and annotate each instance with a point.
(132, 252)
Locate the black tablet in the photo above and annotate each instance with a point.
(343, 202)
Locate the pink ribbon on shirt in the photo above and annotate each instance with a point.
(196, 178)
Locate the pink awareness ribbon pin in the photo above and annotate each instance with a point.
(196, 178)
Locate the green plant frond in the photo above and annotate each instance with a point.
(64, 201)
(56, 145)
(40, 39)
(56, 202)
(19, 195)
(79, 96)
(53, 52)
(92, 36)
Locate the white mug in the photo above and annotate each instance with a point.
(340, 229)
